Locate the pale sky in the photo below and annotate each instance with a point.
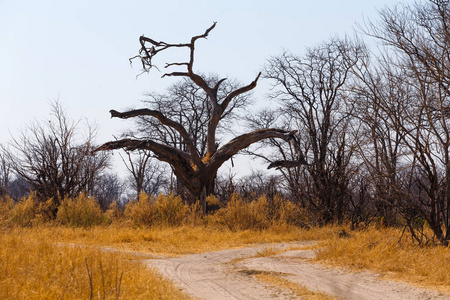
(77, 51)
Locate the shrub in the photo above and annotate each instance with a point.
(141, 211)
(167, 210)
(114, 212)
(6, 205)
(80, 211)
(239, 215)
(170, 210)
(24, 213)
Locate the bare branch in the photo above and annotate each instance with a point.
(238, 92)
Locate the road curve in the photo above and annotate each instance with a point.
(223, 275)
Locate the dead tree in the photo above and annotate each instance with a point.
(194, 171)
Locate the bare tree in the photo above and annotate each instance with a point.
(418, 48)
(5, 173)
(145, 175)
(54, 157)
(109, 188)
(313, 90)
(195, 170)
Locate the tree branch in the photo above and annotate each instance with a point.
(165, 121)
(243, 141)
(163, 152)
(239, 91)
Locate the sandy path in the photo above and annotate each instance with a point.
(218, 275)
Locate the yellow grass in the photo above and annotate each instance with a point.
(174, 240)
(32, 242)
(379, 250)
(34, 266)
(295, 288)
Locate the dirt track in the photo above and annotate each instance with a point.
(225, 275)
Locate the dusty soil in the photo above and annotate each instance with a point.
(227, 274)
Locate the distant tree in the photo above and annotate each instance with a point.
(55, 157)
(313, 90)
(145, 175)
(195, 169)
(5, 173)
(108, 188)
(18, 188)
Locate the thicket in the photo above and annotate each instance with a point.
(260, 212)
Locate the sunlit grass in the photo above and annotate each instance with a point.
(33, 265)
(379, 250)
(176, 240)
(64, 254)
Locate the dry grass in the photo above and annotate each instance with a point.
(59, 262)
(164, 225)
(379, 250)
(175, 240)
(295, 288)
(34, 266)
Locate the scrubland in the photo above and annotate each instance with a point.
(72, 255)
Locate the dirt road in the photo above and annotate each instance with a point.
(227, 275)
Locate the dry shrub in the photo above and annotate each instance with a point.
(80, 211)
(6, 205)
(166, 210)
(239, 215)
(170, 210)
(141, 211)
(29, 211)
(194, 215)
(24, 212)
(258, 214)
(114, 212)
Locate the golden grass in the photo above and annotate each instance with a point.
(34, 266)
(379, 250)
(268, 251)
(295, 288)
(163, 225)
(175, 240)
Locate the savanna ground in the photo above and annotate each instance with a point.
(72, 255)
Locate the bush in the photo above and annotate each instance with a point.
(258, 214)
(239, 215)
(6, 205)
(141, 211)
(167, 210)
(114, 212)
(170, 210)
(24, 213)
(81, 211)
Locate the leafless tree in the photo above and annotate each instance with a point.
(194, 169)
(109, 188)
(145, 175)
(54, 157)
(313, 90)
(5, 172)
(415, 111)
